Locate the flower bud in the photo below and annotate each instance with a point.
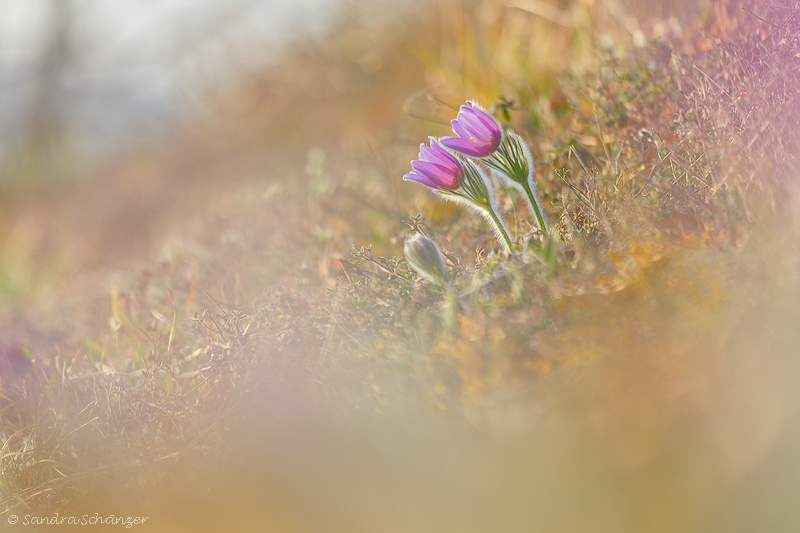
(427, 259)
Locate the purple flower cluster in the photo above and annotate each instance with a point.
(479, 135)
(456, 177)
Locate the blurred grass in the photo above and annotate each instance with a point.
(209, 351)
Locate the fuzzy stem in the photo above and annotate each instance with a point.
(500, 228)
(535, 207)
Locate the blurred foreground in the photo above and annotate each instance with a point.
(675, 412)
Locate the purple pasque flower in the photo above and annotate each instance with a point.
(479, 133)
(436, 167)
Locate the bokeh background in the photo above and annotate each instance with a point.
(116, 120)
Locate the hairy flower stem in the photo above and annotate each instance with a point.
(501, 229)
(534, 205)
(513, 162)
(477, 190)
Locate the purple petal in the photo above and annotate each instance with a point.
(443, 154)
(479, 111)
(459, 129)
(419, 178)
(430, 169)
(488, 121)
(466, 146)
(427, 154)
(436, 167)
(485, 117)
(482, 128)
(474, 125)
(437, 154)
(442, 176)
(447, 141)
(475, 112)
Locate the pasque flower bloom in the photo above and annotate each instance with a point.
(479, 133)
(436, 167)
(460, 180)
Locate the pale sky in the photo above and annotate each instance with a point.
(111, 30)
(137, 55)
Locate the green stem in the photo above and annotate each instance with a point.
(535, 207)
(500, 228)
